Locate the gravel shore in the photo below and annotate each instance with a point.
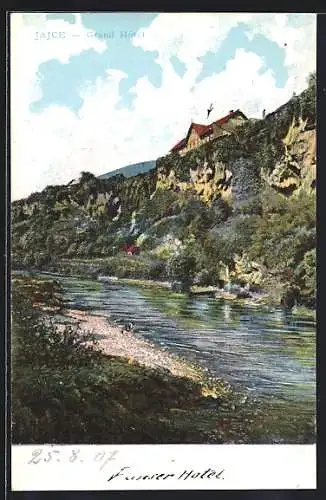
(115, 341)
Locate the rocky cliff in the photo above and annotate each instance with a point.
(216, 202)
(279, 150)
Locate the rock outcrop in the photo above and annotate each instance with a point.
(279, 150)
(296, 170)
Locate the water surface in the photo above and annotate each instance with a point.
(266, 353)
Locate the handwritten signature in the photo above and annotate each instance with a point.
(103, 458)
(186, 474)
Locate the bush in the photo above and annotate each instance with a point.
(305, 278)
(67, 392)
(181, 267)
(160, 205)
(205, 278)
(221, 210)
(285, 241)
(252, 207)
(157, 270)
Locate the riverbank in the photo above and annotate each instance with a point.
(211, 412)
(127, 390)
(262, 299)
(79, 379)
(117, 341)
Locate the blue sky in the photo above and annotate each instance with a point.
(272, 54)
(121, 88)
(61, 82)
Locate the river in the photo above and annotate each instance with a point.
(266, 353)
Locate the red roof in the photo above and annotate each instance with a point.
(203, 130)
(133, 249)
(200, 129)
(179, 145)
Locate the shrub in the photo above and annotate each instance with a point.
(181, 267)
(157, 270)
(66, 391)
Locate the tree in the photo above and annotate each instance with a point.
(182, 268)
(312, 79)
(86, 177)
(305, 277)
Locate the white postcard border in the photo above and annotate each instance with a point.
(162, 467)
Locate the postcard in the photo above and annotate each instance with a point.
(163, 251)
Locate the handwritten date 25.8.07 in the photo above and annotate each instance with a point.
(70, 456)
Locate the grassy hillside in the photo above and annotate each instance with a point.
(240, 209)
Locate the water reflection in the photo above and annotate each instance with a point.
(227, 312)
(268, 353)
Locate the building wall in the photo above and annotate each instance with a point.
(219, 131)
(194, 140)
(236, 121)
(228, 127)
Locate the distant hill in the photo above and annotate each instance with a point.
(131, 170)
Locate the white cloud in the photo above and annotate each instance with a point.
(28, 51)
(56, 145)
(299, 43)
(187, 36)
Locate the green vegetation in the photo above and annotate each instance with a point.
(247, 218)
(64, 390)
(281, 239)
(240, 210)
(181, 267)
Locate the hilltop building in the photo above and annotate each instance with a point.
(199, 134)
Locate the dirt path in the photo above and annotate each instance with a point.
(114, 341)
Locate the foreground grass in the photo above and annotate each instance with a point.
(64, 390)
